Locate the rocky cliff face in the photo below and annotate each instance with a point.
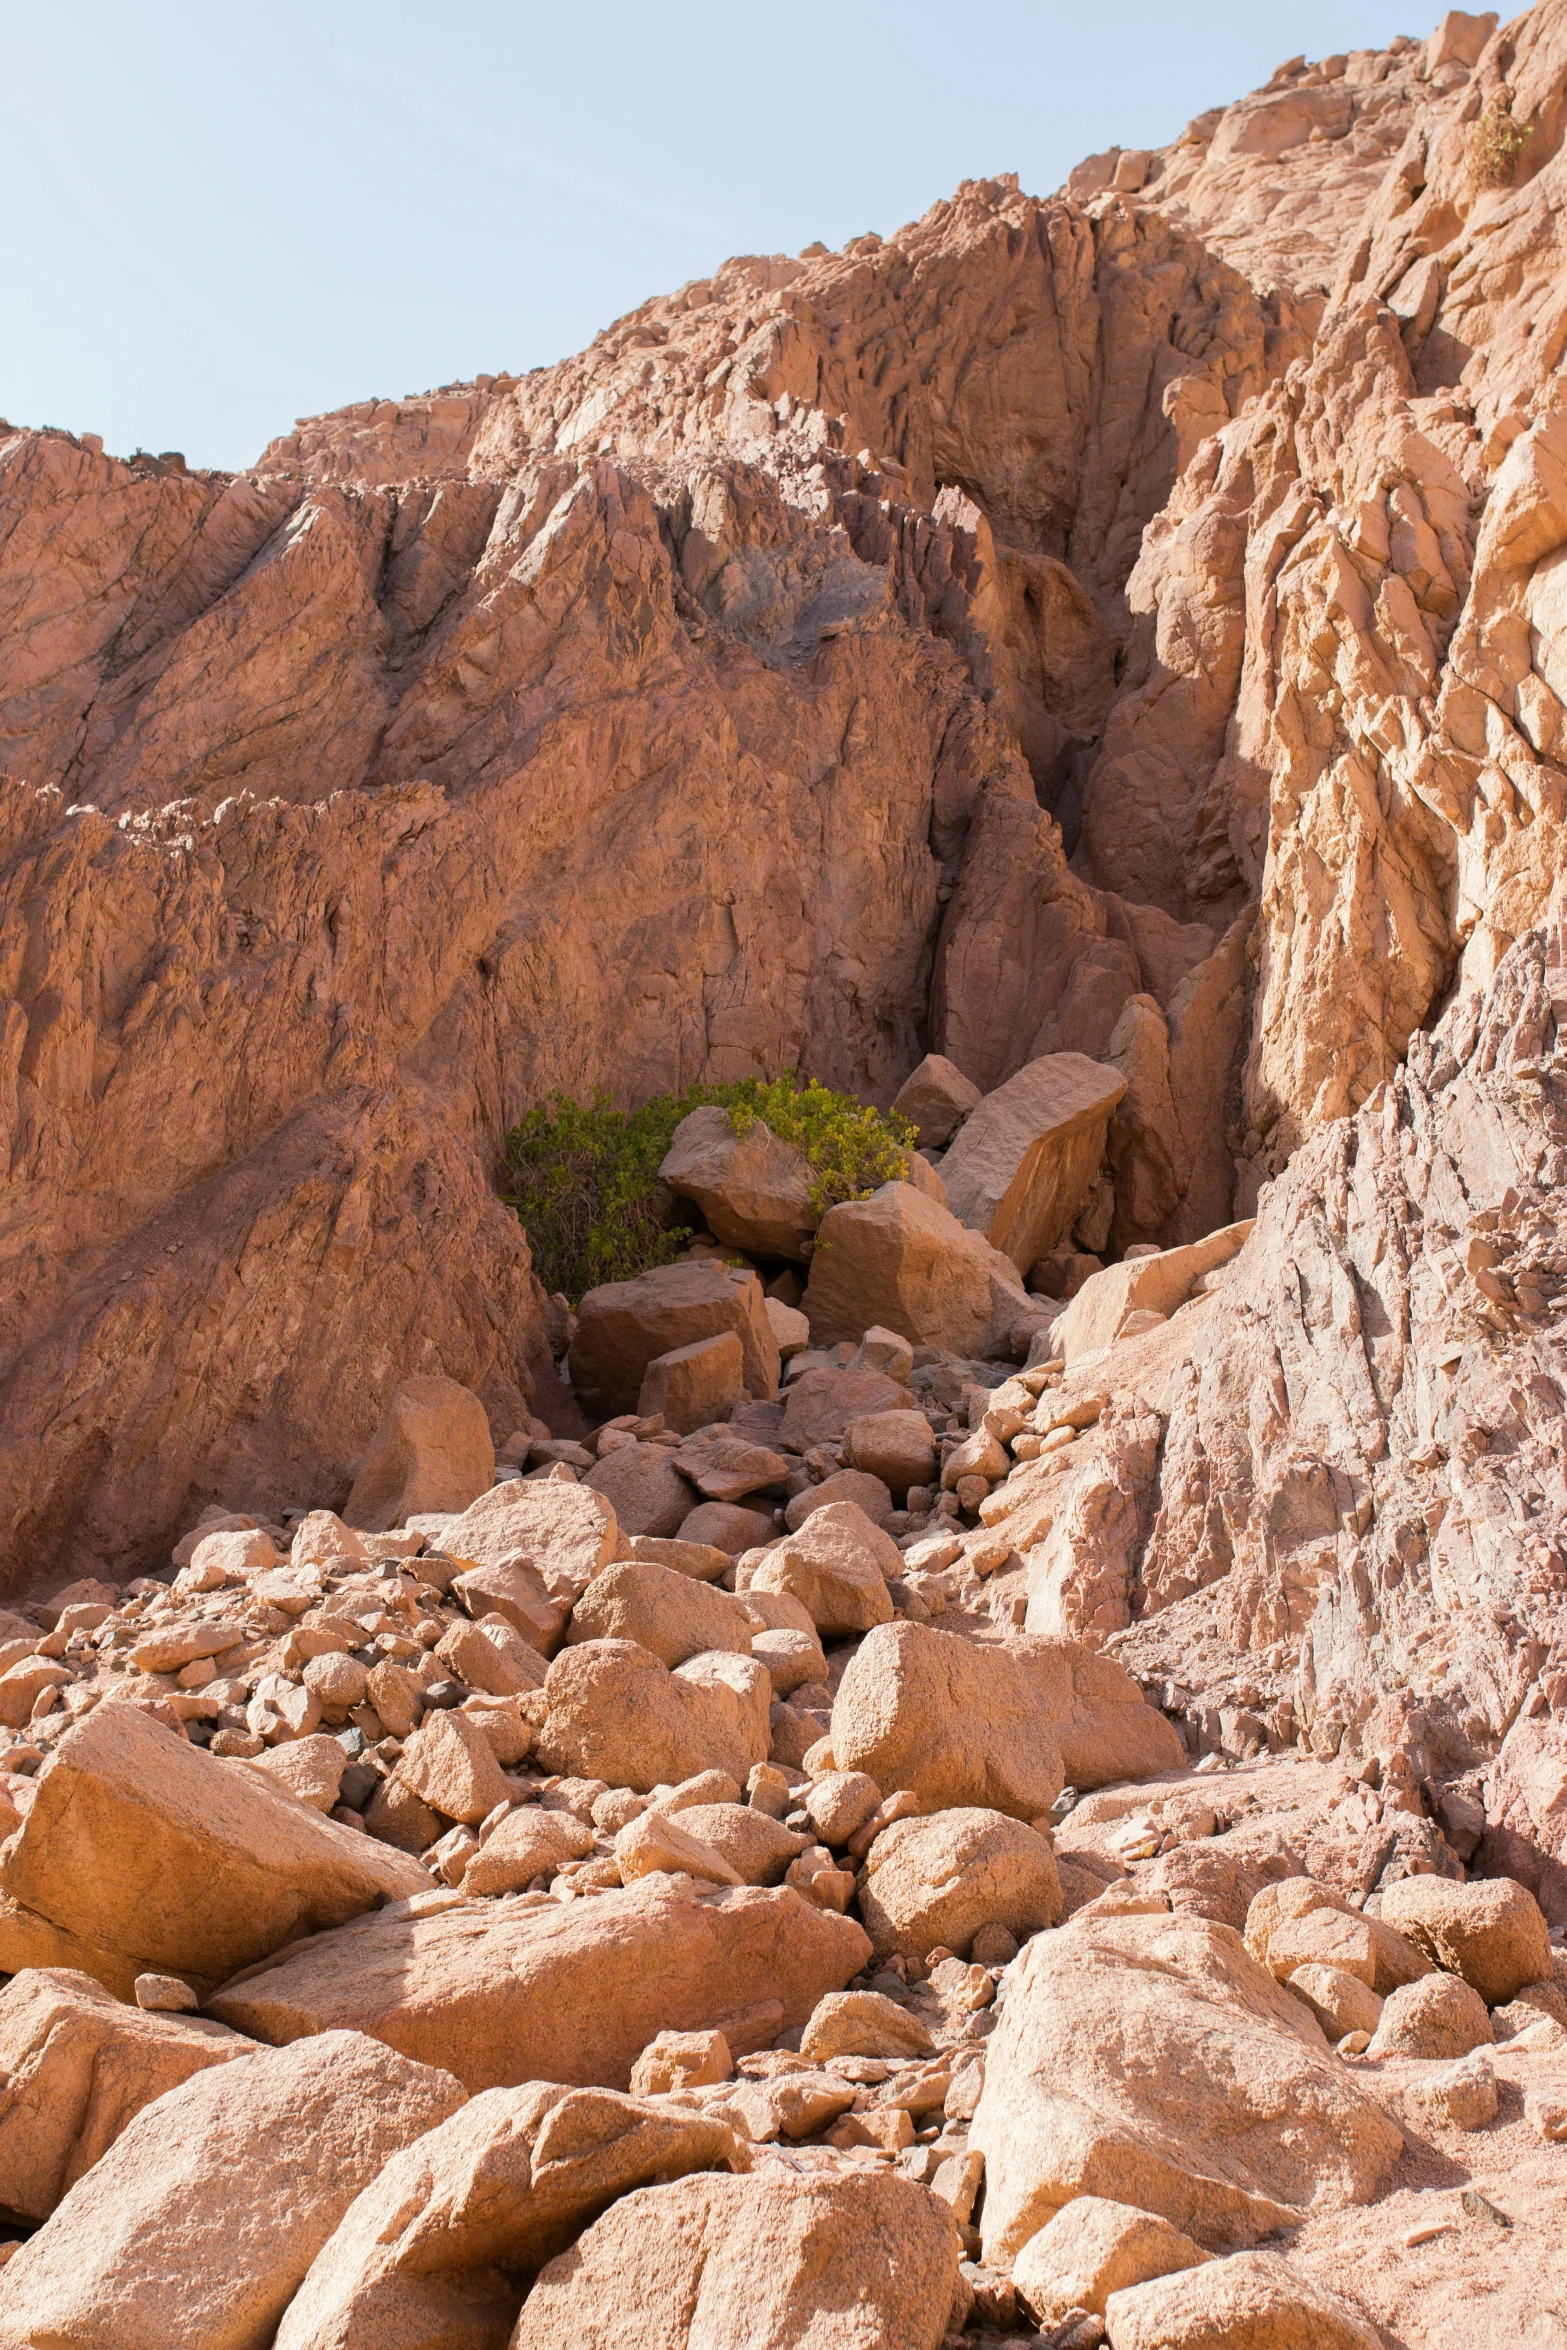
(1121, 623)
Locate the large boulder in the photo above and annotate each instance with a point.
(821, 1405)
(899, 1447)
(775, 2261)
(449, 1764)
(1105, 1727)
(504, 2184)
(938, 1881)
(1491, 1932)
(1277, 1912)
(693, 1385)
(563, 1533)
(142, 1854)
(431, 1452)
(753, 1188)
(568, 1992)
(623, 1325)
(836, 1564)
(75, 2067)
(901, 1260)
(957, 1723)
(1257, 2301)
(1018, 1170)
(671, 1615)
(1150, 2060)
(1441, 2016)
(643, 1486)
(1093, 2248)
(757, 1848)
(616, 1712)
(935, 1098)
(200, 2222)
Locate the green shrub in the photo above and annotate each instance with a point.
(584, 1178)
(1495, 144)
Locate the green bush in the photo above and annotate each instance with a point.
(1495, 144)
(584, 1178)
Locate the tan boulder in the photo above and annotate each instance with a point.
(775, 2261)
(836, 1565)
(1492, 1931)
(395, 1815)
(1105, 1727)
(1093, 2248)
(1147, 2060)
(337, 1682)
(757, 1848)
(681, 2060)
(957, 1723)
(646, 1490)
(311, 1768)
(151, 1856)
(623, 1325)
(793, 1658)
(870, 1494)
(529, 1842)
(753, 1188)
(432, 1451)
(566, 1992)
(502, 2186)
(212, 2203)
(940, 1880)
(516, 1591)
(396, 1697)
(669, 1614)
(1323, 1937)
(701, 1560)
(450, 1765)
(1280, 1907)
(821, 1405)
(654, 1845)
(1023, 1160)
(903, 1261)
(617, 1713)
(1440, 2016)
(75, 2067)
(789, 1327)
(727, 1527)
(1256, 2301)
(693, 1385)
(1340, 2002)
(491, 1655)
(565, 1533)
(897, 1447)
(935, 1098)
(1155, 1284)
(838, 1804)
(862, 2023)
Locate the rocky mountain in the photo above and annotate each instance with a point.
(933, 1720)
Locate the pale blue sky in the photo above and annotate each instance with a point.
(219, 217)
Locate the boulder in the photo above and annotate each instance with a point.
(212, 2203)
(642, 1484)
(75, 2067)
(682, 2060)
(623, 1325)
(1018, 1170)
(938, 1880)
(1093, 2248)
(1257, 2301)
(1461, 2096)
(431, 1452)
(1277, 1909)
(515, 1589)
(669, 1614)
(149, 1856)
(503, 2185)
(839, 1803)
(794, 1659)
(1340, 2002)
(726, 1527)
(450, 1765)
(1148, 2060)
(1323, 1937)
(753, 1188)
(729, 1468)
(905, 1262)
(1492, 1932)
(790, 1328)
(492, 1656)
(693, 1385)
(935, 1098)
(821, 1405)
(311, 1768)
(617, 1713)
(868, 1493)
(1154, 1284)
(862, 2023)
(776, 2261)
(1440, 2016)
(703, 1561)
(562, 1534)
(653, 1845)
(897, 1447)
(529, 1842)
(836, 1565)
(757, 1848)
(568, 1992)
(1105, 1727)
(957, 1723)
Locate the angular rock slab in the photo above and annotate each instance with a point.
(565, 1533)
(433, 1451)
(623, 1325)
(573, 1992)
(504, 2184)
(770, 2262)
(936, 1097)
(957, 1723)
(901, 1261)
(1256, 2301)
(151, 1856)
(1021, 1163)
(204, 2216)
(75, 2068)
(1150, 2061)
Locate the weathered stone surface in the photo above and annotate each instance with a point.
(958, 1724)
(862, 2023)
(75, 2067)
(897, 1447)
(211, 2205)
(1284, 1905)
(940, 1880)
(692, 1385)
(1019, 1168)
(767, 2262)
(836, 1564)
(670, 1614)
(431, 1452)
(900, 1260)
(1104, 1726)
(753, 1188)
(622, 1326)
(1155, 1284)
(450, 1765)
(1093, 2248)
(1149, 2059)
(1340, 2002)
(1438, 2016)
(617, 1713)
(575, 1993)
(1492, 1933)
(503, 2185)
(642, 1484)
(565, 1533)
(757, 1848)
(1257, 2299)
(529, 1842)
(149, 1854)
(936, 1097)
